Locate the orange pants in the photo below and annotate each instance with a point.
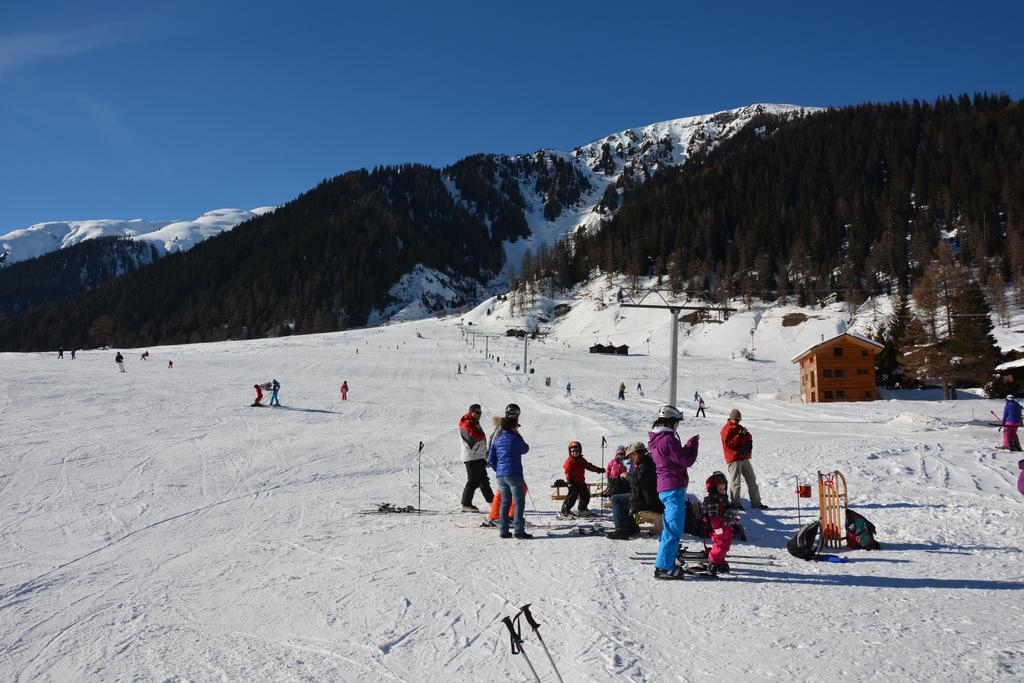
(496, 505)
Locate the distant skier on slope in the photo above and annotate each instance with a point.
(1011, 422)
(259, 396)
(1020, 479)
(639, 390)
(344, 390)
(622, 391)
(119, 359)
(275, 387)
(700, 407)
(568, 388)
(60, 352)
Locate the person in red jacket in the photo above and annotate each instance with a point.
(737, 445)
(344, 390)
(721, 523)
(575, 467)
(259, 396)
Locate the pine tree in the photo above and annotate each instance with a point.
(888, 372)
(974, 351)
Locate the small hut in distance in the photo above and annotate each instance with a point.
(839, 369)
(610, 348)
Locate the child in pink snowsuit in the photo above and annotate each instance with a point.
(617, 465)
(1020, 479)
(720, 521)
(344, 391)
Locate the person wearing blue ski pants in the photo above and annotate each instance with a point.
(673, 523)
(512, 489)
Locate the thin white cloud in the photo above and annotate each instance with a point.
(18, 51)
(113, 128)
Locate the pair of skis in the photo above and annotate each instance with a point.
(515, 632)
(571, 530)
(390, 509)
(701, 568)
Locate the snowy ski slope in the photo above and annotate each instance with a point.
(155, 527)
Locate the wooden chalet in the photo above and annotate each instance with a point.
(839, 369)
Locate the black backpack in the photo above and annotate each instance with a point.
(694, 523)
(860, 533)
(807, 542)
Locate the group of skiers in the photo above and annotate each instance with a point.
(119, 359)
(652, 477)
(272, 386)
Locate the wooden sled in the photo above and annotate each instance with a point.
(560, 492)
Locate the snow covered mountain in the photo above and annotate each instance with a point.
(494, 209)
(613, 164)
(562, 192)
(165, 236)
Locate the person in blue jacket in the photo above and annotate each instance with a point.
(275, 387)
(505, 457)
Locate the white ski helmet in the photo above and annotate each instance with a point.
(1009, 397)
(670, 412)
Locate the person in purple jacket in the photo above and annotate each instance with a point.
(1011, 422)
(671, 458)
(1020, 479)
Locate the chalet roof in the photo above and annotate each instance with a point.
(857, 338)
(1011, 365)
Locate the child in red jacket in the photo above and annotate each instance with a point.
(721, 523)
(575, 467)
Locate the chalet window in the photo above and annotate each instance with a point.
(828, 395)
(837, 351)
(840, 395)
(862, 371)
(864, 354)
(826, 373)
(839, 373)
(867, 394)
(812, 378)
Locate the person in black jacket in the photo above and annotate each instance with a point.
(643, 493)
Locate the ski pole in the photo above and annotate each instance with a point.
(604, 442)
(517, 644)
(525, 610)
(419, 481)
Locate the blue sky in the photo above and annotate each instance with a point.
(120, 110)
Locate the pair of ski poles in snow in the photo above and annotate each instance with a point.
(515, 631)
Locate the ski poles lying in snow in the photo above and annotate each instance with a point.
(515, 632)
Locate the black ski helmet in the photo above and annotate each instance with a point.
(714, 480)
(512, 410)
